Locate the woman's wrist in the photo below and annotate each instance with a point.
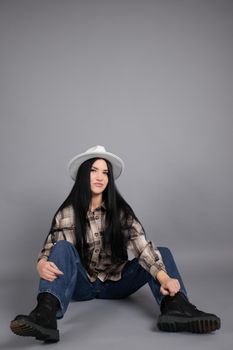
(162, 276)
(41, 261)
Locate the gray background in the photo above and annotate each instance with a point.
(152, 81)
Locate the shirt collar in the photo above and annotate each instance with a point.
(101, 207)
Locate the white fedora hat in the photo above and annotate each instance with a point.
(96, 152)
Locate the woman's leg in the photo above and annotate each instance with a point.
(54, 297)
(73, 283)
(134, 276)
(172, 272)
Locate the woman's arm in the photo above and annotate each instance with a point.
(150, 258)
(62, 229)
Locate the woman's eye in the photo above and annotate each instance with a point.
(95, 171)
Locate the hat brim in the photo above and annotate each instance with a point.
(75, 162)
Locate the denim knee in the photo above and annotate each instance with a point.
(164, 250)
(63, 247)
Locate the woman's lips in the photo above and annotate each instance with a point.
(98, 185)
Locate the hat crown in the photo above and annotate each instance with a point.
(96, 152)
(96, 149)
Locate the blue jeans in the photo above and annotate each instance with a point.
(74, 284)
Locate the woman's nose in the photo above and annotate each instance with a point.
(99, 176)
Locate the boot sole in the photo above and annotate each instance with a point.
(170, 323)
(26, 328)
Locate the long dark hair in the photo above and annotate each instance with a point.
(119, 214)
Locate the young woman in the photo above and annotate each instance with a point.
(85, 256)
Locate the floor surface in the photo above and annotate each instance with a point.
(122, 324)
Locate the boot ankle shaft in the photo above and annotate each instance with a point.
(49, 302)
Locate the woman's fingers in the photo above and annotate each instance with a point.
(163, 291)
(48, 271)
(49, 278)
(53, 268)
(170, 287)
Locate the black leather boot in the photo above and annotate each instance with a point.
(178, 314)
(41, 323)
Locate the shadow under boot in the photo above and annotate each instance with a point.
(41, 323)
(179, 315)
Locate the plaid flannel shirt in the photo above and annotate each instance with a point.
(100, 262)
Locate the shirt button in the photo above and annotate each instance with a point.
(97, 250)
(96, 217)
(96, 234)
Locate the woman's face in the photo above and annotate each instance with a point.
(99, 176)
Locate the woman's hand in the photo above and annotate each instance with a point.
(48, 270)
(169, 286)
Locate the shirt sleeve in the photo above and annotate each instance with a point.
(51, 239)
(147, 254)
(63, 229)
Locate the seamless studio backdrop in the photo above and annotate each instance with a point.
(152, 81)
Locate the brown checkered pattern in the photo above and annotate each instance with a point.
(100, 262)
